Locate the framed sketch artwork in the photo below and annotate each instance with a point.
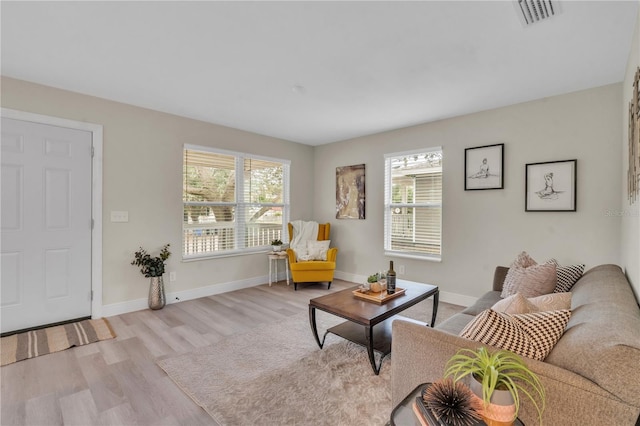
(483, 167)
(633, 171)
(551, 186)
(350, 194)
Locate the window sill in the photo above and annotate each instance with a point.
(212, 256)
(405, 255)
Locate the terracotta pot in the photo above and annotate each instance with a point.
(376, 287)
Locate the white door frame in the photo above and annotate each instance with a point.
(96, 193)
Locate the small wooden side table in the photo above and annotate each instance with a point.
(274, 256)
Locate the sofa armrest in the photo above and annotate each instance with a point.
(419, 355)
(498, 277)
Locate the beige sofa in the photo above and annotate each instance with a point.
(592, 375)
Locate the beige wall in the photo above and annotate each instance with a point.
(142, 174)
(482, 229)
(630, 213)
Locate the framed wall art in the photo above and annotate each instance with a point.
(551, 186)
(633, 171)
(350, 192)
(483, 167)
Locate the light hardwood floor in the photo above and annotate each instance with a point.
(117, 382)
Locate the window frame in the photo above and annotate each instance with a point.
(241, 206)
(389, 205)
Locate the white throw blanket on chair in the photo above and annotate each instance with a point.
(303, 232)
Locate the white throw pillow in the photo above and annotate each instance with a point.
(301, 253)
(317, 250)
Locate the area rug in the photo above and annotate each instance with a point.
(30, 344)
(277, 375)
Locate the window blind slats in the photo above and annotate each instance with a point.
(413, 203)
(263, 181)
(233, 202)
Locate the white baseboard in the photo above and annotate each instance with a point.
(353, 278)
(210, 290)
(179, 296)
(457, 299)
(445, 296)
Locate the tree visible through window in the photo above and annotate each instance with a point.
(233, 202)
(413, 203)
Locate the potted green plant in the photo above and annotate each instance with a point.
(153, 267)
(498, 372)
(276, 244)
(374, 284)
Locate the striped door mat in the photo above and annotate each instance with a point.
(30, 344)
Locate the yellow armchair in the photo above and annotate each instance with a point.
(313, 270)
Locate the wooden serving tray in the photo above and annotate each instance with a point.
(375, 297)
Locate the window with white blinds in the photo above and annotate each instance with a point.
(233, 202)
(413, 203)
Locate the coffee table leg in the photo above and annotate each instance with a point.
(436, 296)
(314, 327)
(372, 358)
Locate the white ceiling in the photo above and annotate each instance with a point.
(315, 72)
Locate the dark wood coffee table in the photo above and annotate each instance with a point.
(363, 315)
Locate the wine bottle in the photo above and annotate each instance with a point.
(391, 279)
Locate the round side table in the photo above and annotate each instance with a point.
(403, 414)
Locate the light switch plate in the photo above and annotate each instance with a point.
(119, 216)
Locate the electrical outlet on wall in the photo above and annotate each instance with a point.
(401, 269)
(172, 276)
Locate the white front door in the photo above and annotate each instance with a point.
(46, 224)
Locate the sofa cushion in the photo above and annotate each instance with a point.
(454, 324)
(531, 335)
(313, 265)
(486, 301)
(531, 281)
(518, 304)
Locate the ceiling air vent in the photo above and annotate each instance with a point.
(533, 11)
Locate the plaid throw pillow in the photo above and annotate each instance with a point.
(567, 276)
(530, 335)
